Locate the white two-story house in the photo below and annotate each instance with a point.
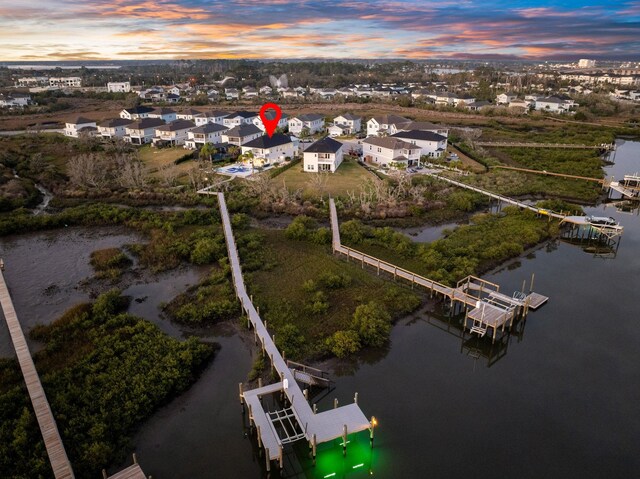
(349, 123)
(201, 135)
(115, 128)
(174, 133)
(270, 150)
(136, 113)
(505, 98)
(431, 144)
(242, 134)
(390, 152)
(311, 121)
(270, 114)
(554, 104)
(324, 155)
(385, 124)
(188, 114)
(215, 116)
(78, 126)
(238, 118)
(165, 114)
(142, 131)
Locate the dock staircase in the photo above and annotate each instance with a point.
(309, 376)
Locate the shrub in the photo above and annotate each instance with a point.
(334, 281)
(300, 228)
(343, 343)
(109, 258)
(109, 304)
(321, 236)
(372, 323)
(206, 250)
(289, 340)
(240, 221)
(353, 231)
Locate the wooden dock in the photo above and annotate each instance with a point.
(602, 181)
(53, 443)
(486, 306)
(305, 422)
(522, 144)
(131, 472)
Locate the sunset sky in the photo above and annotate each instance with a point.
(180, 29)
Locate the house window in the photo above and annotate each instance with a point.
(379, 150)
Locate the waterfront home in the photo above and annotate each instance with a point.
(390, 152)
(351, 123)
(267, 150)
(119, 87)
(115, 128)
(478, 105)
(431, 144)
(324, 155)
(142, 131)
(136, 113)
(553, 104)
(249, 92)
(165, 114)
(231, 94)
(15, 99)
(384, 124)
(80, 125)
(174, 133)
(419, 125)
(312, 122)
(201, 135)
(266, 90)
(242, 134)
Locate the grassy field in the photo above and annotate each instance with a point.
(156, 158)
(348, 177)
(279, 289)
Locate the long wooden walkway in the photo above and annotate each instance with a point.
(516, 144)
(48, 427)
(316, 427)
(490, 311)
(602, 181)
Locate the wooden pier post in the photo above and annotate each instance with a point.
(335, 403)
(104, 474)
(395, 272)
(281, 458)
(378, 267)
(260, 384)
(344, 440)
(314, 445)
(306, 393)
(373, 425)
(355, 398)
(315, 408)
(240, 395)
(259, 437)
(533, 276)
(266, 455)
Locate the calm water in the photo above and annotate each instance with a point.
(558, 400)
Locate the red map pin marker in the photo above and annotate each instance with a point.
(270, 120)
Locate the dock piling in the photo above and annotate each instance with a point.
(344, 440)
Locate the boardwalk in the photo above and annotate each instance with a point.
(493, 310)
(52, 441)
(602, 181)
(316, 428)
(515, 144)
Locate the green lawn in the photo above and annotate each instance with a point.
(348, 177)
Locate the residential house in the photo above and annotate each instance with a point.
(115, 128)
(431, 144)
(381, 125)
(215, 116)
(464, 100)
(201, 135)
(153, 94)
(446, 98)
(15, 99)
(188, 114)
(242, 134)
(326, 93)
(249, 92)
(166, 114)
(352, 123)
(172, 98)
(266, 90)
(505, 98)
(231, 94)
(269, 150)
(288, 93)
(519, 104)
(553, 104)
(239, 118)
(173, 90)
(390, 152)
(119, 87)
(81, 125)
(345, 92)
(420, 125)
(270, 114)
(142, 131)
(324, 155)
(336, 130)
(312, 122)
(478, 105)
(136, 113)
(174, 133)
(31, 82)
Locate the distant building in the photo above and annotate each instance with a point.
(585, 63)
(553, 104)
(270, 114)
(115, 128)
(119, 87)
(324, 155)
(67, 82)
(242, 134)
(351, 123)
(136, 113)
(385, 124)
(312, 122)
(142, 131)
(15, 99)
(201, 135)
(29, 82)
(430, 143)
(174, 133)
